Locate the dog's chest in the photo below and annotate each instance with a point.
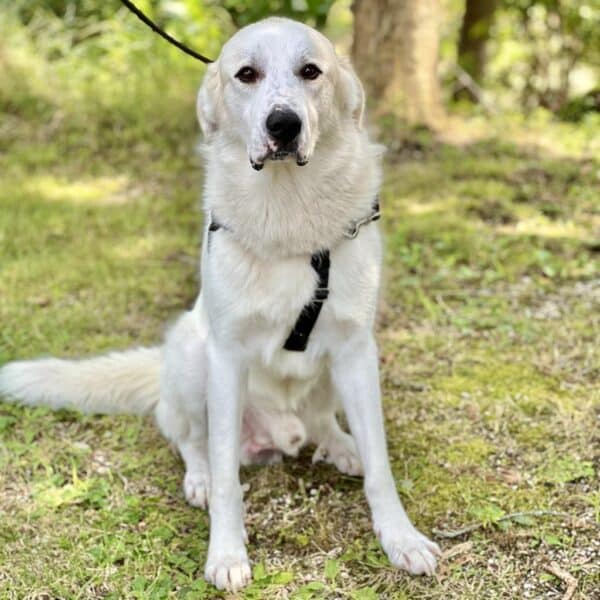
(250, 297)
(255, 303)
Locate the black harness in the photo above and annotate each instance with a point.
(298, 338)
(320, 262)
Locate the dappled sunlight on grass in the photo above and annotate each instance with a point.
(538, 132)
(138, 248)
(543, 227)
(96, 191)
(414, 207)
(556, 139)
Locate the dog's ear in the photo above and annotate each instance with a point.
(352, 91)
(208, 100)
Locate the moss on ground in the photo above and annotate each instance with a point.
(490, 357)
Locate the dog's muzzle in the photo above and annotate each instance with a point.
(283, 127)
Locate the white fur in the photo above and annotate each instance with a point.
(227, 386)
(120, 382)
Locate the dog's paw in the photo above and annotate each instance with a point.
(196, 487)
(229, 572)
(341, 452)
(409, 549)
(288, 433)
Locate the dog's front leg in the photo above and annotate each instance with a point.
(356, 376)
(227, 565)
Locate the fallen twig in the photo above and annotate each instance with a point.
(457, 550)
(450, 534)
(468, 83)
(565, 577)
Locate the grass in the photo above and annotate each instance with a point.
(490, 360)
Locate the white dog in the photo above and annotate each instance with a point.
(282, 332)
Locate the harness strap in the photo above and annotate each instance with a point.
(298, 338)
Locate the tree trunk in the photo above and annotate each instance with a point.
(474, 34)
(395, 51)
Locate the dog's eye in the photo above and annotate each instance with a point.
(310, 71)
(247, 75)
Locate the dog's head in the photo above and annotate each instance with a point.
(277, 88)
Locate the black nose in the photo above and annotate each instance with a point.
(283, 125)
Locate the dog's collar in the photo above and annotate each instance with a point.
(350, 233)
(320, 262)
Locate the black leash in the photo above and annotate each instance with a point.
(163, 34)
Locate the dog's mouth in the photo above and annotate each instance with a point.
(280, 155)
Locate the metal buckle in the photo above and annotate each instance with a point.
(321, 294)
(355, 228)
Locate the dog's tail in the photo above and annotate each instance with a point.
(120, 382)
